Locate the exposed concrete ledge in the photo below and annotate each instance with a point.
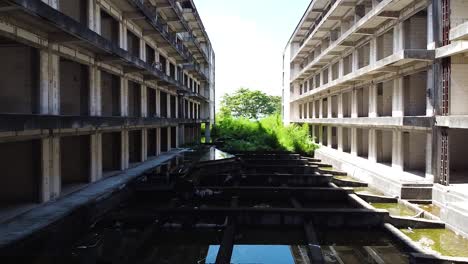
(44, 215)
(455, 121)
(459, 32)
(456, 47)
(390, 181)
(409, 122)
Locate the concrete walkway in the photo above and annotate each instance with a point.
(40, 217)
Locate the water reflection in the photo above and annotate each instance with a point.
(259, 254)
(215, 154)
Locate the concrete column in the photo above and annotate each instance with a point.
(397, 150)
(52, 3)
(321, 108)
(177, 137)
(398, 37)
(329, 106)
(372, 145)
(430, 93)
(96, 157)
(329, 136)
(339, 135)
(355, 60)
(373, 100)
(97, 23)
(354, 104)
(124, 148)
(169, 132)
(321, 134)
(181, 134)
(340, 68)
(354, 147)
(313, 109)
(168, 96)
(94, 91)
(142, 49)
(124, 96)
(340, 105)
(92, 16)
(158, 103)
(123, 36)
(144, 101)
(50, 180)
(144, 144)
(397, 98)
(176, 107)
(373, 51)
(49, 78)
(429, 148)
(158, 141)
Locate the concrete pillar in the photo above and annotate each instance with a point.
(340, 105)
(50, 180)
(142, 49)
(429, 148)
(329, 106)
(124, 148)
(321, 134)
(144, 101)
(123, 36)
(398, 37)
(397, 98)
(313, 109)
(372, 145)
(52, 3)
(430, 92)
(96, 157)
(354, 146)
(397, 150)
(95, 91)
(124, 96)
(93, 15)
(49, 83)
(329, 136)
(373, 51)
(144, 144)
(373, 100)
(176, 107)
(168, 96)
(354, 104)
(340, 68)
(339, 135)
(355, 60)
(158, 103)
(169, 145)
(158, 141)
(321, 108)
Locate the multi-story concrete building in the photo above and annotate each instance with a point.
(91, 88)
(382, 84)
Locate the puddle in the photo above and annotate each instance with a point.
(439, 241)
(241, 254)
(395, 209)
(368, 191)
(215, 154)
(431, 208)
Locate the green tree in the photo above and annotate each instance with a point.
(251, 104)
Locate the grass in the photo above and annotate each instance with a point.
(267, 134)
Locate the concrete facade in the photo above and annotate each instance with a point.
(382, 85)
(90, 89)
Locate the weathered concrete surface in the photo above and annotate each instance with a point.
(20, 228)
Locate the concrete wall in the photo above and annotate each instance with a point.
(110, 94)
(76, 9)
(385, 45)
(459, 87)
(109, 27)
(415, 31)
(415, 94)
(21, 172)
(74, 160)
(414, 152)
(134, 146)
(384, 98)
(111, 151)
(19, 79)
(362, 142)
(458, 154)
(134, 99)
(458, 12)
(74, 88)
(384, 146)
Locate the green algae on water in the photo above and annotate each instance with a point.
(439, 241)
(368, 191)
(395, 209)
(431, 208)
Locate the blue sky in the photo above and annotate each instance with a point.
(249, 37)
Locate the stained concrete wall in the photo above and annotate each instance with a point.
(385, 45)
(152, 142)
(134, 146)
(384, 98)
(364, 55)
(362, 142)
(346, 101)
(74, 160)
(457, 157)
(133, 44)
(414, 152)
(164, 143)
(384, 146)
(151, 101)
(346, 139)
(415, 31)
(163, 104)
(415, 94)
(19, 80)
(76, 9)
(134, 99)
(109, 27)
(363, 102)
(111, 151)
(110, 94)
(21, 172)
(74, 88)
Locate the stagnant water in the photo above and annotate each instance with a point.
(439, 241)
(396, 209)
(367, 190)
(431, 208)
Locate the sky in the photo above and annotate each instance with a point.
(249, 37)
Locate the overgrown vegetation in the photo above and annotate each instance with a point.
(251, 104)
(267, 134)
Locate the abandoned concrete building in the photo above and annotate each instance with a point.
(92, 88)
(382, 84)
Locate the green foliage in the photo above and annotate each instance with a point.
(267, 134)
(250, 104)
